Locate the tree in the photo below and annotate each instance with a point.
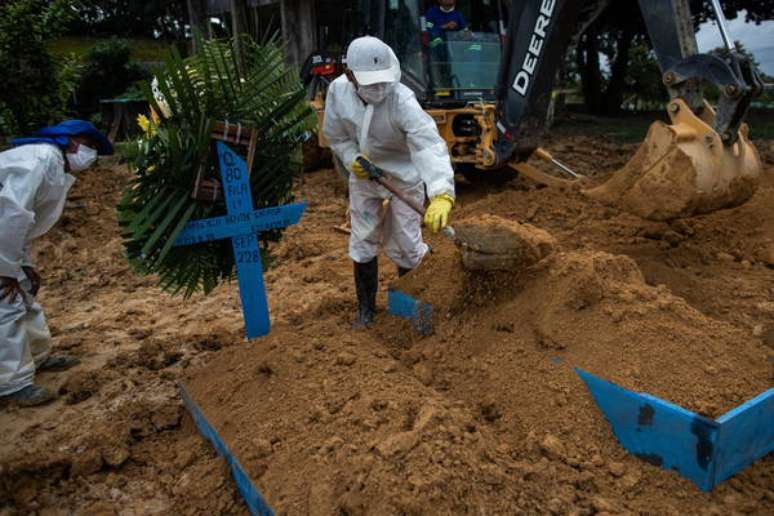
(756, 11)
(153, 19)
(620, 29)
(612, 34)
(34, 85)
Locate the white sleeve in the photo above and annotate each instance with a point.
(17, 202)
(342, 145)
(429, 152)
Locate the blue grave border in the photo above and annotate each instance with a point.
(252, 497)
(703, 450)
(419, 313)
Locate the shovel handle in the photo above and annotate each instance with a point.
(400, 195)
(377, 175)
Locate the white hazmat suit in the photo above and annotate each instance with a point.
(398, 136)
(33, 190)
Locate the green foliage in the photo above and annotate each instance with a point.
(644, 88)
(200, 90)
(108, 73)
(142, 49)
(149, 18)
(34, 85)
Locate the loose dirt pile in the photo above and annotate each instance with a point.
(487, 415)
(484, 416)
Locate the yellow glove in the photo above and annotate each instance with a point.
(358, 169)
(437, 214)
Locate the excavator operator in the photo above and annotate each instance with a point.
(442, 18)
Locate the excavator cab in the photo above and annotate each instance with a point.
(445, 66)
(453, 71)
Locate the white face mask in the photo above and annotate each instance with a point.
(447, 10)
(81, 159)
(374, 93)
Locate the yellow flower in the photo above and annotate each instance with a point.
(143, 122)
(146, 125)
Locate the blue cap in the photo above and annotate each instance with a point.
(78, 128)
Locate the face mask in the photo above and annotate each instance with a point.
(81, 159)
(374, 93)
(447, 10)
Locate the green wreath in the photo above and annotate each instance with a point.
(253, 87)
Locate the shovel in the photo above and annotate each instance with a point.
(376, 174)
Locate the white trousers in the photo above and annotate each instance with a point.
(24, 341)
(396, 226)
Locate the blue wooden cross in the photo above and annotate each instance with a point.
(242, 225)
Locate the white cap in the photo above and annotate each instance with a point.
(372, 61)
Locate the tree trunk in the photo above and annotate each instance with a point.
(591, 76)
(197, 17)
(299, 30)
(615, 88)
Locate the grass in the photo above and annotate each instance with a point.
(142, 49)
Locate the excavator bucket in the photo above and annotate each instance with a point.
(683, 169)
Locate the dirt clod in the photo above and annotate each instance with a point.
(491, 243)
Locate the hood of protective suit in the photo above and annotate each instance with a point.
(60, 134)
(372, 61)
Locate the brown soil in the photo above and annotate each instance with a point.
(486, 415)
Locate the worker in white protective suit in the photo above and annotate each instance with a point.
(370, 114)
(34, 181)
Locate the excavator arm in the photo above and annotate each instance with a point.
(703, 161)
(541, 30)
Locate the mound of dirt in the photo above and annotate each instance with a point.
(487, 415)
(596, 309)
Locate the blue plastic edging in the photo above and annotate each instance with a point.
(704, 450)
(250, 494)
(420, 314)
(746, 434)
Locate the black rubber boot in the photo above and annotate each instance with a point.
(366, 285)
(58, 363)
(32, 396)
(403, 271)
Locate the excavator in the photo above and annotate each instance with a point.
(489, 87)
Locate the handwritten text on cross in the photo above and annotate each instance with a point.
(242, 225)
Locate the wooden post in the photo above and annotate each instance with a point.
(192, 21)
(256, 24)
(299, 30)
(235, 31)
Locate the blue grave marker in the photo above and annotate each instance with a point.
(242, 225)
